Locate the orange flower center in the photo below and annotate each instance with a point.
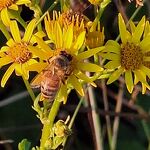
(6, 3)
(72, 17)
(20, 53)
(131, 56)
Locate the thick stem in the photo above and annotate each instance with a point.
(49, 124)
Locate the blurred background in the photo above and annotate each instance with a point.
(18, 120)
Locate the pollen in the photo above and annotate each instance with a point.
(131, 56)
(6, 3)
(19, 53)
(72, 17)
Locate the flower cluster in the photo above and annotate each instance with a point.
(68, 51)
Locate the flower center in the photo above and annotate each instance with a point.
(6, 3)
(131, 56)
(72, 17)
(20, 53)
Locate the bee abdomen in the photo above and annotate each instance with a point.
(49, 93)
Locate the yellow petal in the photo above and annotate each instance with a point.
(141, 76)
(4, 49)
(68, 37)
(129, 80)
(15, 31)
(79, 41)
(111, 56)
(43, 45)
(112, 64)
(132, 26)
(76, 84)
(38, 52)
(122, 29)
(89, 67)
(5, 60)
(29, 30)
(7, 74)
(138, 31)
(4, 16)
(37, 67)
(83, 77)
(113, 46)
(18, 69)
(89, 53)
(10, 42)
(144, 44)
(14, 7)
(115, 75)
(21, 2)
(58, 36)
(145, 70)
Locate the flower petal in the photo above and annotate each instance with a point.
(89, 53)
(89, 67)
(122, 29)
(58, 36)
(68, 37)
(21, 2)
(129, 80)
(145, 70)
(79, 41)
(29, 30)
(115, 75)
(76, 84)
(14, 7)
(38, 52)
(10, 42)
(112, 46)
(43, 45)
(112, 64)
(138, 31)
(5, 60)
(144, 44)
(7, 74)
(15, 31)
(37, 67)
(111, 56)
(4, 16)
(141, 76)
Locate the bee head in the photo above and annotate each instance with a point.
(65, 54)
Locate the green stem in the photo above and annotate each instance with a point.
(49, 9)
(49, 124)
(4, 31)
(27, 84)
(73, 118)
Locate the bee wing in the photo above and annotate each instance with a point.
(36, 82)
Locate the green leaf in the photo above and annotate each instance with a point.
(24, 145)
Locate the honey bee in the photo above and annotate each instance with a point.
(51, 78)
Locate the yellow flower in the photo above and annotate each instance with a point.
(65, 19)
(63, 41)
(95, 37)
(17, 53)
(5, 5)
(130, 56)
